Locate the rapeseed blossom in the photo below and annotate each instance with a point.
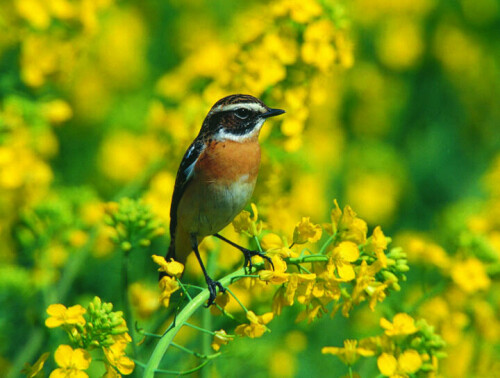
(60, 315)
(98, 104)
(402, 324)
(71, 362)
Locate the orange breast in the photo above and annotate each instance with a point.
(228, 161)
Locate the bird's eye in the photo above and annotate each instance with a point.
(242, 113)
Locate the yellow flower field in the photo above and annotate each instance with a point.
(377, 202)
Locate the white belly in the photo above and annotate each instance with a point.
(216, 206)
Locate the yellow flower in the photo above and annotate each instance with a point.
(168, 286)
(300, 11)
(348, 225)
(408, 362)
(400, 44)
(276, 276)
(257, 325)
(220, 338)
(60, 315)
(57, 111)
(144, 300)
(378, 244)
(35, 12)
(301, 283)
(221, 300)
(71, 362)
(305, 231)
(273, 244)
(116, 357)
(318, 48)
(342, 257)
(245, 223)
(285, 49)
(172, 268)
(403, 324)
(350, 353)
(470, 275)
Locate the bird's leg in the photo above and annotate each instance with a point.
(212, 285)
(248, 253)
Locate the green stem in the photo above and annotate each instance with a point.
(258, 243)
(187, 372)
(183, 287)
(196, 354)
(190, 308)
(198, 301)
(327, 243)
(237, 300)
(204, 330)
(129, 318)
(206, 316)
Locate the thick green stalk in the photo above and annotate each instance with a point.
(198, 301)
(184, 315)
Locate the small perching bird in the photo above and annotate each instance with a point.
(216, 178)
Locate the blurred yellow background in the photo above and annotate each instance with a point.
(392, 108)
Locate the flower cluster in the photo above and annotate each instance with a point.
(99, 99)
(169, 284)
(133, 223)
(406, 347)
(305, 43)
(96, 327)
(349, 269)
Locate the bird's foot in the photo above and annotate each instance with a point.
(212, 289)
(248, 258)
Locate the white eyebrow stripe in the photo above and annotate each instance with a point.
(223, 134)
(247, 105)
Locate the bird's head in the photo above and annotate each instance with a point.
(237, 117)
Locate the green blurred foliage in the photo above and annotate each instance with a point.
(396, 114)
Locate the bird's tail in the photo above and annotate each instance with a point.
(179, 248)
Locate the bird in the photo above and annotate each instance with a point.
(216, 179)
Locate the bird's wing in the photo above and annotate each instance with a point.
(184, 175)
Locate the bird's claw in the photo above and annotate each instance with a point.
(212, 289)
(248, 259)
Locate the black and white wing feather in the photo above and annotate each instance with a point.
(184, 175)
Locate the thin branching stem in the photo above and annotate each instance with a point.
(327, 243)
(199, 328)
(237, 300)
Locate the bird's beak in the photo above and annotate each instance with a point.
(272, 113)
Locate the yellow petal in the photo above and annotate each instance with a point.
(74, 315)
(348, 251)
(78, 374)
(58, 373)
(346, 272)
(252, 317)
(53, 322)
(410, 361)
(387, 364)
(386, 324)
(160, 260)
(331, 350)
(266, 318)
(81, 359)
(63, 355)
(125, 365)
(56, 310)
(175, 268)
(271, 241)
